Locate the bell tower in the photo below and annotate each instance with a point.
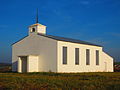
(37, 28)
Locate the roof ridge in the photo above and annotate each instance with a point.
(69, 40)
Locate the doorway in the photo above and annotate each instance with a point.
(23, 64)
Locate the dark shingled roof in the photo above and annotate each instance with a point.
(64, 39)
(68, 40)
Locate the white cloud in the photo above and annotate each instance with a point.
(3, 26)
(115, 34)
(99, 41)
(85, 2)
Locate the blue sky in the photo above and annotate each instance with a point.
(96, 21)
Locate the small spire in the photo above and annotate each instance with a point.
(37, 17)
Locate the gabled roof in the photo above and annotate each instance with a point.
(68, 40)
(19, 40)
(37, 24)
(64, 39)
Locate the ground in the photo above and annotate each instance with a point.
(58, 81)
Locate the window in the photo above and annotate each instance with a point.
(77, 56)
(64, 55)
(87, 57)
(97, 57)
(33, 29)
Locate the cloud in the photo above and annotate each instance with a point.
(3, 26)
(114, 52)
(115, 34)
(99, 41)
(85, 2)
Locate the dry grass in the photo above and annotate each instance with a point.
(58, 81)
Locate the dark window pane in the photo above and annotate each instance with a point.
(97, 57)
(87, 57)
(64, 55)
(33, 29)
(77, 56)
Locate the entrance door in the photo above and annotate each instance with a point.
(24, 63)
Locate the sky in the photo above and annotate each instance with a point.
(96, 21)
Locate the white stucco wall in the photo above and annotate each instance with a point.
(34, 44)
(108, 62)
(33, 63)
(48, 53)
(38, 29)
(82, 67)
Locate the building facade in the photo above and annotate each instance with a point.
(39, 52)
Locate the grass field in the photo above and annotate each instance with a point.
(57, 81)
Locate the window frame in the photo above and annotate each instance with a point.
(87, 56)
(77, 56)
(97, 57)
(64, 53)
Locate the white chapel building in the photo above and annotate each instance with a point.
(39, 52)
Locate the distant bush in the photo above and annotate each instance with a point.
(116, 63)
(5, 67)
(117, 66)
